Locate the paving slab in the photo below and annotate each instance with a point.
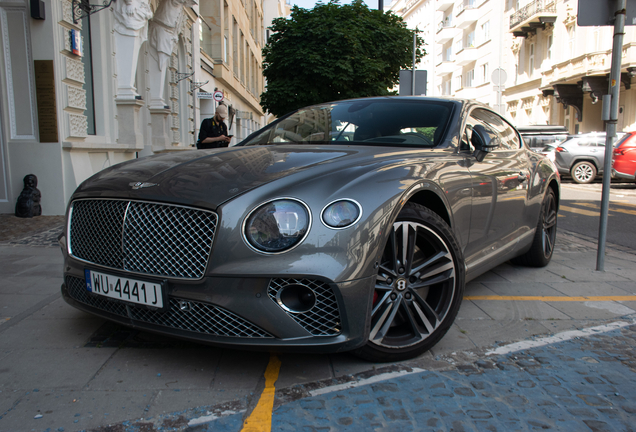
(512, 273)
(522, 289)
(580, 289)
(142, 369)
(47, 368)
(470, 311)
(304, 368)
(15, 304)
(50, 333)
(591, 310)
(520, 310)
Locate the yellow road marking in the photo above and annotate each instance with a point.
(623, 203)
(261, 418)
(552, 298)
(614, 209)
(578, 211)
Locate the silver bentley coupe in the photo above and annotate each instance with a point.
(345, 226)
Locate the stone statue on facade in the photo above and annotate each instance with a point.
(163, 36)
(28, 204)
(131, 31)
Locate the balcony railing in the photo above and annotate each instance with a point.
(530, 10)
(447, 23)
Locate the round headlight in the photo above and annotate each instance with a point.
(277, 225)
(341, 214)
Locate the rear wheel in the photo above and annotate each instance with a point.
(419, 287)
(583, 172)
(542, 247)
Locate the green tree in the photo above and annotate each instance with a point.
(334, 52)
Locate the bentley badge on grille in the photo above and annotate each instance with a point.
(140, 185)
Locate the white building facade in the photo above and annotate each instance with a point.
(463, 42)
(79, 93)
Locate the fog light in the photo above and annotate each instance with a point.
(296, 298)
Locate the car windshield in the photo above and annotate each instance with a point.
(394, 122)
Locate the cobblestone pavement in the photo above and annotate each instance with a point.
(579, 385)
(37, 231)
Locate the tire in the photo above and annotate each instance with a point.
(542, 247)
(419, 287)
(583, 172)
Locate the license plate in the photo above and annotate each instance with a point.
(121, 288)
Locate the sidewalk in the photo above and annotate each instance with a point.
(64, 370)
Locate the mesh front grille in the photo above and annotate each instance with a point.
(183, 314)
(324, 318)
(149, 238)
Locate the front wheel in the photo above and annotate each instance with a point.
(419, 287)
(583, 172)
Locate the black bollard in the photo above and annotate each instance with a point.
(28, 204)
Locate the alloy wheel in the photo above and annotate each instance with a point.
(415, 287)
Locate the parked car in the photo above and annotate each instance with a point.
(582, 156)
(301, 239)
(624, 158)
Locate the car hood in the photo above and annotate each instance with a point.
(211, 177)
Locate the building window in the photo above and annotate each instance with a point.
(226, 48)
(448, 53)
(485, 31)
(447, 88)
(484, 73)
(531, 60)
(470, 40)
(458, 83)
(549, 47)
(87, 60)
(470, 77)
(571, 47)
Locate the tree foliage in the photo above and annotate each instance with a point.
(334, 52)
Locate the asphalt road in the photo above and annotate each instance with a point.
(580, 210)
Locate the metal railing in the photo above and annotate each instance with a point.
(532, 9)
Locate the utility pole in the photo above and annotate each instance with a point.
(614, 91)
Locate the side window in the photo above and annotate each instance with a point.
(507, 135)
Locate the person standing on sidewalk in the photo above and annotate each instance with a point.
(213, 133)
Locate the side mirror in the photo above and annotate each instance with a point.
(484, 142)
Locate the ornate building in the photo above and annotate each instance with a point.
(560, 70)
(555, 71)
(83, 92)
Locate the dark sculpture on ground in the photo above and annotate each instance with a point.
(28, 204)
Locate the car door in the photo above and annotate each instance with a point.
(500, 186)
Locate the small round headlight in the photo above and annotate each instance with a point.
(277, 225)
(341, 214)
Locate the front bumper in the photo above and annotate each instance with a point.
(238, 311)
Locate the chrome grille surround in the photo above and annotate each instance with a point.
(142, 237)
(321, 320)
(188, 315)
